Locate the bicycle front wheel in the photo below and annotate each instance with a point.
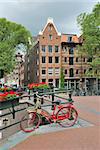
(67, 116)
(30, 121)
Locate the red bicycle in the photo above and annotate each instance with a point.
(63, 114)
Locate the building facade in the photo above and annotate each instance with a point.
(51, 52)
(16, 77)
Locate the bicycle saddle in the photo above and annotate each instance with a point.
(58, 102)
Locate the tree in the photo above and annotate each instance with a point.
(11, 35)
(62, 78)
(90, 27)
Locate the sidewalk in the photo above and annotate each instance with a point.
(87, 138)
(74, 139)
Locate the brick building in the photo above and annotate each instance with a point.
(51, 52)
(16, 77)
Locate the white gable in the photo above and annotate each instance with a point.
(50, 20)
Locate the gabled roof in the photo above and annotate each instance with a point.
(50, 20)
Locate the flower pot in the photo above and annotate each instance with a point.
(2, 98)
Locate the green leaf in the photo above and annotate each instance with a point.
(11, 35)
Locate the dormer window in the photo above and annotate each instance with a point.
(70, 39)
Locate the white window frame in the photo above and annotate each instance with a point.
(50, 71)
(57, 71)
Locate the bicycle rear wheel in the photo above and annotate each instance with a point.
(30, 121)
(67, 116)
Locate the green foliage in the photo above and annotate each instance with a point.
(11, 35)
(90, 27)
(11, 96)
(95, 66)
(62, 76)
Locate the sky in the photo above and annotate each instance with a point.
(33, 14)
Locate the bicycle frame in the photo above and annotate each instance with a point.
(61, 114)
(53, 116)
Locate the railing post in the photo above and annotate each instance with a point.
(52, 87)
(70, 94)
(29, 94)
(35, 98)
(42, 101)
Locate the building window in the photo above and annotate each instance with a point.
(50, 28)
(43, 59)
(43, 48)
(83, 59)
(96, 71)
(56, 48)
(37, 73)
(76, 59)
(50, 37)
(50, 71)
(77, 71)
(65, 59)
(50, 80)
(28, 60)
(50, 48)
(37, 61)
(43, 71)
(71, 72)
(37, 52)
(56, 59)
(90, 69)
(43, 80)
(28, 77)
(71, 50)
(71, 61)
(57, 71)
(89, 60)
(50, 59)
(28, 68)
(65, 71)
(84, 71)
(70, 39)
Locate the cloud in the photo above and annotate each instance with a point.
(34, 13)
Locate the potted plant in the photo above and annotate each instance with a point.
(8, 96)
(2, 97)
(38, 86)
(11, 95)
(5, 89)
